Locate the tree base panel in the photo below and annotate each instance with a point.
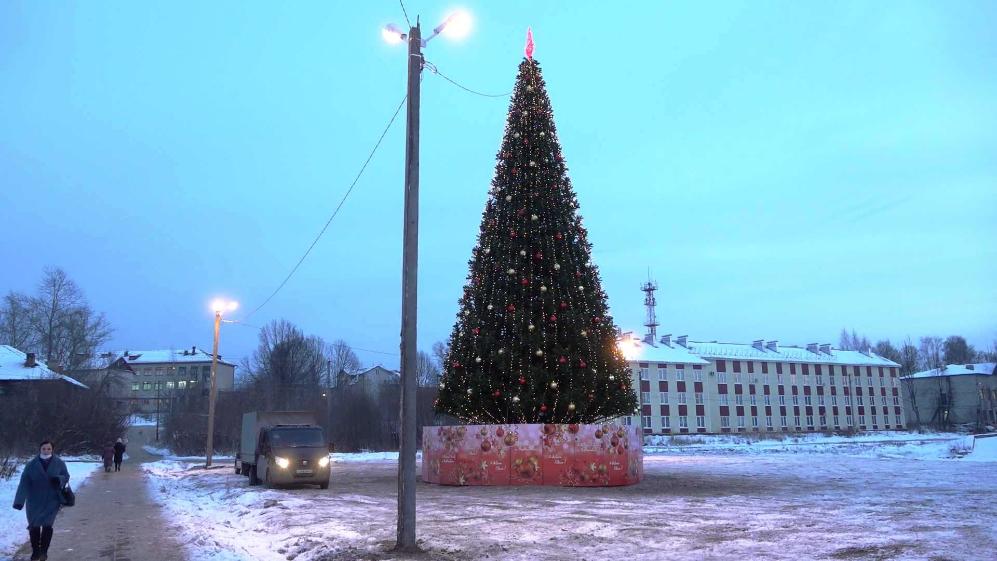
(573, 455)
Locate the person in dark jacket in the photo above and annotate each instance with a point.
(40, 490)
(119, 454)
(108, 457)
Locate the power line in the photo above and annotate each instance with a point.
(244, 324)
(334, 213)
(436, 71)
(404, 11)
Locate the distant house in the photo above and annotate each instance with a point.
(21, 373)
(372, 381)
(162, 375)
(956, 394)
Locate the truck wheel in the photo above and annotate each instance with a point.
(266, 480)
(323, 485)
(254, 478)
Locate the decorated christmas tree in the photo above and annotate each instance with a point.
(533, 342)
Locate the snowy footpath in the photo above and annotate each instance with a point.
(13, 522)
(899, 501)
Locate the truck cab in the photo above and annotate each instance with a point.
(283, 448)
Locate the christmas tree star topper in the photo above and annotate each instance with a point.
(529, 43)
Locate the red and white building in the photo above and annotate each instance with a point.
(709, 387)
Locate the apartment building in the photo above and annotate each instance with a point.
(164, 375)
(710, 387)
(954, 395)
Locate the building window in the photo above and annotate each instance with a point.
(723, 399)
(896, 400)
(721, 377)
(146, 385)
(699, 398)
(835, 421)
(683, 422)
(882, 400)
(810, 420)
(778, 378)
(665, 422)
(663, 397)
(740, 422)
(697, 375)
(768, 400)
(782, 400)
(169, 384)
(752, 399)
(768, 422)
(182, 371)
(765, 378)
(136, 386)
(898, 421)
(796, 400)
(834, 400)
(182, 384)
(806, 379)
(159, 371)
(662, 374)
(191, 383)
(783, 420)
(645, 421)
(819, 380)
(754, 422)
(700, 422)
(738, 399)
(725, 422)
(680, 375)
(858, 400)
(796, 420)
(792, 379)
(848, 400)
(875, 420)
(643, 373)
(645, 397)
(820, 400)
(823, 421)
(737, 377)
(681, 398)
(862, 420)
(830, 379)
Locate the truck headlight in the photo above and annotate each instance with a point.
(282, 463)
(323, 461)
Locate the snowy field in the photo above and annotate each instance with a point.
(13, 524)
(896, 501)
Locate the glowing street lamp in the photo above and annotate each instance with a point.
(219, 306)
(456, 25)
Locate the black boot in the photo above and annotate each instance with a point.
(45, 541)
(36, 539)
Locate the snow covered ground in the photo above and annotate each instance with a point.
(13, 522)
(895, 501)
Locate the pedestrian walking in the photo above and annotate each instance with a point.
(40, 490)
(119, 454)
(108, 457)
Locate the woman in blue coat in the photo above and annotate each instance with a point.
(41, 491)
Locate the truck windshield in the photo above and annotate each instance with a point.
(292, 437)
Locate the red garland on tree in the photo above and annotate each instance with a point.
(532, 212)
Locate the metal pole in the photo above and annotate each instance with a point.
(157, 410)
(410, 265)
(211, 396)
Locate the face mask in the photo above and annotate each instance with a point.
(46, 456)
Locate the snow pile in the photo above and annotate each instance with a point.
(889, 444)
(13, 522)
(165, 452)
(141, 421)
(984, 449)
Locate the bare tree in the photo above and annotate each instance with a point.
(988, 355)
(886, 350)
(15, 321)
(428, 370)
(287, 366)
(930, 353)
(342, 359)
(440, 352)
(908, 358)
(852, 341)
(958, 351)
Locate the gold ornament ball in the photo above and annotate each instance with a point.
(611, 377)
(508, 198)
(490, 306)
(543, 289)
(557, 266)
(540, 353)
(531, 327)
(534, 217)
(515, 399)
(477, 359)
(553, 385)
(522, 253)
(511, 271)
(515, 135)
(571, 406)
(469, 391)
(488, 250)
(584, 333)
(501, 351)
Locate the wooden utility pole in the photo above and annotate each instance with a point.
(410, 266)
(214, 392)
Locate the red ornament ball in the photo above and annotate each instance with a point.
(497, 394)
(553, 317)
(524, 282)
(456, 364)
(499, 432)
(475, 331)
(522, 381)
(564, 305)
(538, 256)
(559, 236)
(543, 408)
(486, 445)
(511, 308)
(562, 360)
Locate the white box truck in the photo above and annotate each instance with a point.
(283, 447)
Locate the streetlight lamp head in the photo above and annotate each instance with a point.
(392, 35)
(220, 305)
(456, 26)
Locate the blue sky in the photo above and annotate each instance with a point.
(784, 169)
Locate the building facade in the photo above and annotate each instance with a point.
(688, 387)
(958, 394)
(161, 376)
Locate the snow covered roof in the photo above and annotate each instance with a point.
(375, 370)
(12, 368)
(745, 351)
(166, 356)
(977, 369)
(636, 349)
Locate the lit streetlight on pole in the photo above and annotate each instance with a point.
(219, 307)
(456, 25)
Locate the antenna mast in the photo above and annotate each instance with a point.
(652, 322)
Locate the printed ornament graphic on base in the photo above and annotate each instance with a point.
(533, 355)
(568, 455)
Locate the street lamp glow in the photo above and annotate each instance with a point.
(392, 35)
(220, 305)
(457, 25)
